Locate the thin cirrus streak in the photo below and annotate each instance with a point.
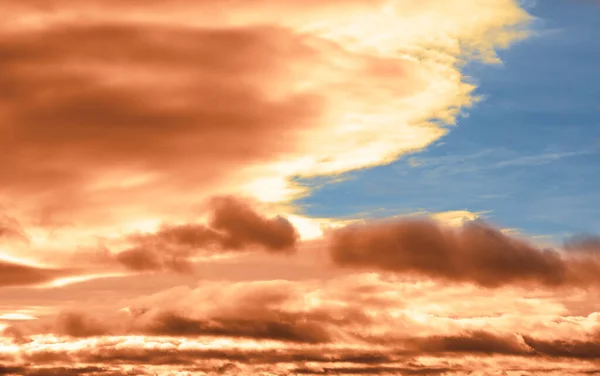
(149, 153)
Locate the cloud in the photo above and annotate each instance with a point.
(568, 348)
(182, 105)
(166, 105)
(270, 310)
(233, 226)
(244, 226)
(437, 248)
(276, 326)
(117, 116)
(80, 325)
(54, 371)
(475, 253)
(430, 371)
(293, 328)
(11, 229)
(14, 274)
(308, 358)
(366, 309)
(472, 343)
(358, 323)
(583, 243)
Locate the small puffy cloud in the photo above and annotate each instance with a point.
(233, 226)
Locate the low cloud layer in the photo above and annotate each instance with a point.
(475, 252)
(360, 324)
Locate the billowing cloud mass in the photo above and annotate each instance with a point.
(169, 104)
(150, 159)
(355, 324)
(233, 226)
(474, 252)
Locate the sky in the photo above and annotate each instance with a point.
(382, 187)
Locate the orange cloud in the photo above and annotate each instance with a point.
(14, 274)
(294, 328)
(233, 226)
(131, 102)
(358, 323)
(11, 229)
(164, 106)
(475, 253)
(117, 116)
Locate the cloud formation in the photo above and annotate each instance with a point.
(358, 324)
(11, 229)
(233, 226)
(130, 105)
(117, 116)
(292, 328)
(583, 243)
(475, 252)
(15, 274)
(164, 106)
